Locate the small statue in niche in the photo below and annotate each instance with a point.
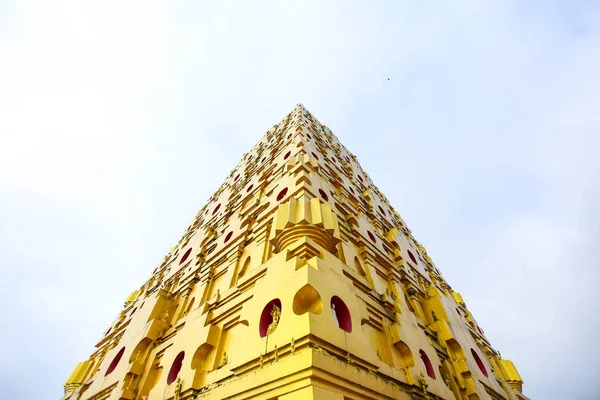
(276, 358)
(275, 315)
(177, 389)
(334, 313)
(435, 318)
(293, 346)
(224, 360)
(164, 315)
(261, 360)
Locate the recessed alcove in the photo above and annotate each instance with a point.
(307, 299)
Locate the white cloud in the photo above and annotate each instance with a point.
(118, 120)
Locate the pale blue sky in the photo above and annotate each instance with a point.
(119, 119)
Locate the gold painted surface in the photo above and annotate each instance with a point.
(298, 284)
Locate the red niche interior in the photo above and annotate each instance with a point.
(217, 208)
(427, 364)
(266, 318)
(175, 368)
(314, 155)
(381, 210)
(323, 195)
(479, 363)
(282, 194)
(372, 237)
(412, 257)
(185, 256)
(341, 314)
(249, 188)
(287, 155)
(352, 190)
(237, 177)
(308, 136)
(289, 136)
(115, 361)
(228, 236)
(360, 178)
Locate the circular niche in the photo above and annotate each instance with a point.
(341, 314)
(185, 256)
(479, 363)
(427, 364)
(412, 257)
(175, 368)
(323, 195)
(372, 237)
(115, 361)
(282, 194)
(266, 317)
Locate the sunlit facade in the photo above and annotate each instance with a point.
(297, 280)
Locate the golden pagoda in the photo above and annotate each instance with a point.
(297, 280)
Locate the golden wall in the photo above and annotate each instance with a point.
(297, 280)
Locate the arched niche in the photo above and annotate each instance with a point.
(409, 304)
(404, 354)
(341, 314)
(282, 194)
(427, 364)
(358, 267)
(307, 299)
(245, 267)
(151, 380)
(479, 363)
(140, 352)
(266, 317)
(185, 256)
(190, 306)
(115, 361)
(201, 363)
(412, 257)
(175, 367)
(456, 352)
